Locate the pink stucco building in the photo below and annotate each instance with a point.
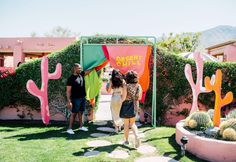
(18, 50)
(225, 52)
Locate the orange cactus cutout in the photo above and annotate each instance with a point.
(219, 102)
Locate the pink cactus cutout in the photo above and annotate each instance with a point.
(42, 93)
(196, 88)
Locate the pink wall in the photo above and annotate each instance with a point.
(18, 55)
(230, 52)
(206, 148)
(17, 111)
(173, 115)
(19, 46)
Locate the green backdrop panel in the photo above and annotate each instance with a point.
(92, 56)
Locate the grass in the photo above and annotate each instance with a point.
(163, 138)
(26, 141)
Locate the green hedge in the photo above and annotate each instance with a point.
(13, 88)
(7, 90)
(171, 81)
(16, 92)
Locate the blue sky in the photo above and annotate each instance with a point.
(126, 17)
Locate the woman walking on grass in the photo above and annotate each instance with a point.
(116, 86)
(132, 93)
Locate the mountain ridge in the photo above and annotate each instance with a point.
(216, 35)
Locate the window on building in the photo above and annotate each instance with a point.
(225, 58)
(220, 58)
(1, 61)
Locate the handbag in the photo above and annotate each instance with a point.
(127, 109)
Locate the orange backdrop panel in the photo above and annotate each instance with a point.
(135, 58)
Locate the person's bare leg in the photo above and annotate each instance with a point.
(126, 129)
(72, 119)
(134, 127)
(116, 128)
(80, 116)
(135, 131)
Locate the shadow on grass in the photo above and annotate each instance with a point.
(7, 130)
(177, 151)
(53, 130)
(58, 132)
(107, 149)
(40, 135)
(154, 139)
(146, 126)
(30, 123)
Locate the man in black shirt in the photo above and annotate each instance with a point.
(75, 92)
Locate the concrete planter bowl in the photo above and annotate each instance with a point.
(206, 148)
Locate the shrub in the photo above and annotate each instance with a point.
(210, 112)
(231, 115)
(8, 90)
(13, 88)
(6, 71)
(229, 134)
(171, 82)
(228, 129)
(192, 123)
(198, 121)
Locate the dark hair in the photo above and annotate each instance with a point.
(116, 79)
(131, 77)
(75, 65)
(19, 63)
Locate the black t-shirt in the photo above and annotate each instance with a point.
(77, 84)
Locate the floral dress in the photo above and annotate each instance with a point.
(133, 94)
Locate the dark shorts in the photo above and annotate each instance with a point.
(78, 105)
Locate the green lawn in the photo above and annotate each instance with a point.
(29, 142)
(163, 138)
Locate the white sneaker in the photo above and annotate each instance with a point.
(70, 131)
(83, 129)
(137, 142)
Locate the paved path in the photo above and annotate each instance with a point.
(104, 112)
(149, 152)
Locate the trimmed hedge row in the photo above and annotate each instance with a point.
(171, 81)
(13, 88)
(172, 84)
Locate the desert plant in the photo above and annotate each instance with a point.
(231, 115)
(228, 129)
(229, 134)
(198, 121)
(210, 112)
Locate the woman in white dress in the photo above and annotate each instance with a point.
(115, 85)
